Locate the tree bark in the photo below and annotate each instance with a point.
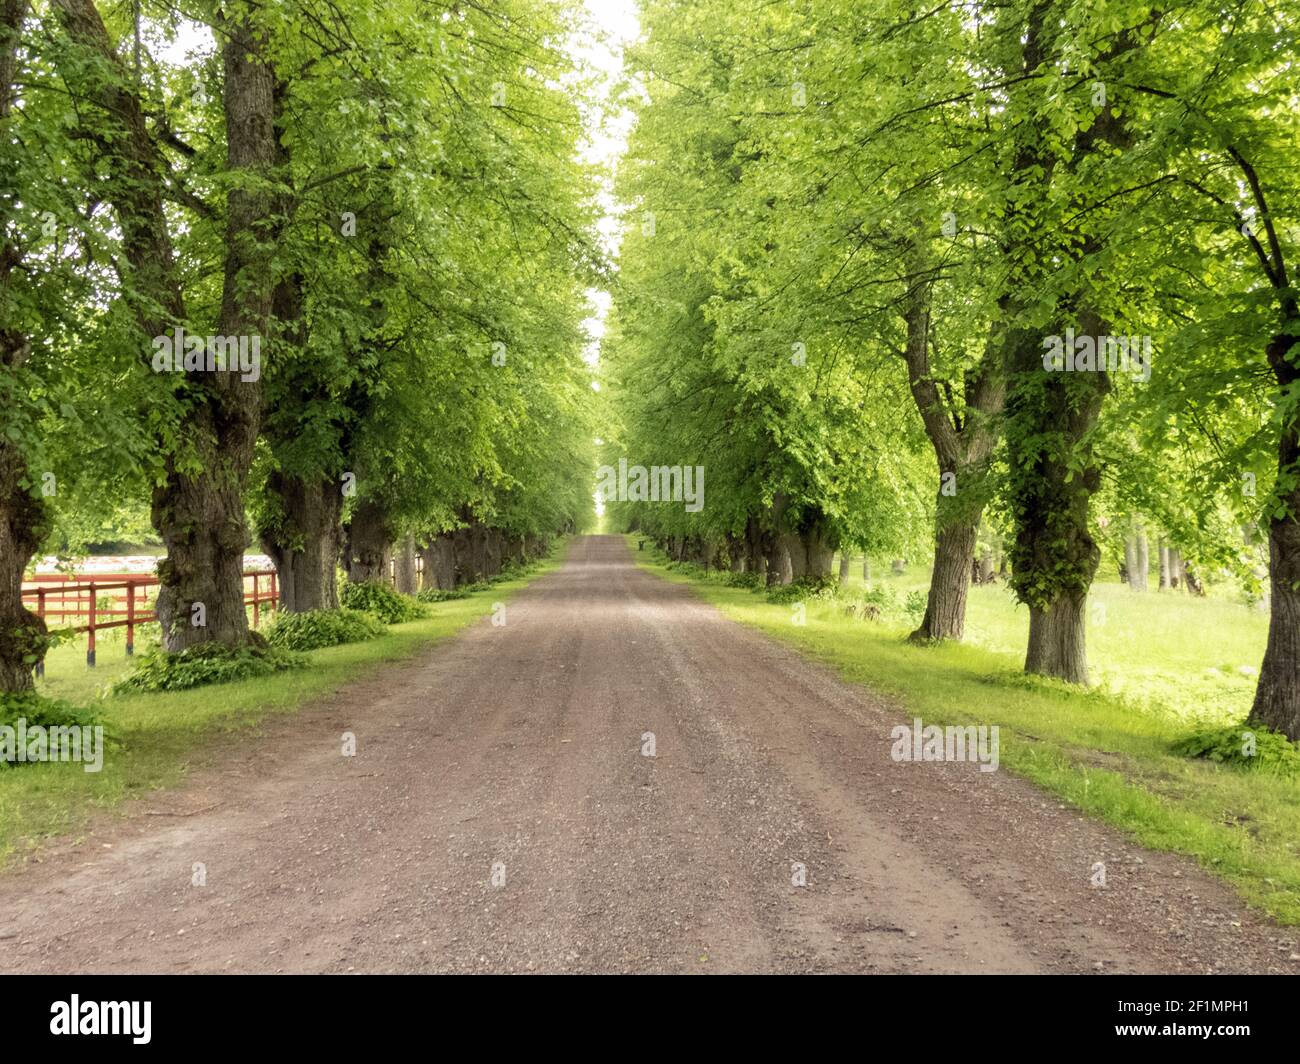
(439, 563)
(24, 523)
(200, 516)
(1277, 695)
(818, 550)
(304, 542)
(368, 540)
(945, 608)
(963, 441)
(1057, 644)
(405, 575)
(780, 568)
(845, 561)
(1164, 565)
(1143, 561)
(24, 517)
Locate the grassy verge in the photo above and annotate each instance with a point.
(1106, 750)
(157, 733)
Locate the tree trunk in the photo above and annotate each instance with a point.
(845, 560)
(780, 568)
(24, 517)
(439, 564)
(304, 543)
(758, 548)
(945, 606)
(1050, 430)
(1143, 561)
(818, 551)
(795, 555)
(866, 569)
(24, 523)
(1164, 565)
(405, 576)
(1277, 696)
(368, 539)
(1130, 562)
(1057, 646)
(962, 441)
(200, 517)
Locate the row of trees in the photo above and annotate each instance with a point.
(364, 235)
(894, 270)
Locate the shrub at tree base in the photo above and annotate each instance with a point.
(442, 594)
(509, 571)
(46, 712)
(381, 601)
(314, 629)
(1246, 747)
(206, 663)
(802, 590)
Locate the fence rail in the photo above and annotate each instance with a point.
(133, 603)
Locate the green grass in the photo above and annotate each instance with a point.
(157, 734)
(1107, 750)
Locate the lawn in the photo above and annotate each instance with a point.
(1162, 661)
(156, 734)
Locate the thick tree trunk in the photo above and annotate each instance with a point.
(793, 557)
(780, 570)
(1143, 562)
(758, 547)
(24, 523)
(1164, 565)
(1057, 644)
(945, 607)
(1130, 562)
(24, 518)
(845, 562)
(439, 564)
(368, 540)
(1051, 422)
(1277, 696)
(304, 545)
(818, 552)
(200, 517)
(962, 441)
(405, 576)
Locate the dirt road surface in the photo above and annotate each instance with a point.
(501, 814)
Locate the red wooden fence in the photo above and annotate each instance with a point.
(133, 612)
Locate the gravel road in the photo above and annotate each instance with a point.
(501, 814)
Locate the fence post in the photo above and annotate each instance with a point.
(90, 632)
(275, 592)
(257, 612)
(130, 618)
(40, 612)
